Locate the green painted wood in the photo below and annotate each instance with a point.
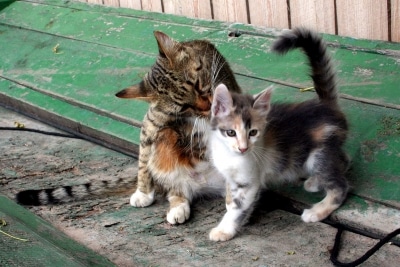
(101, 50)
(46, 246)
(360, 74)
(95, 127)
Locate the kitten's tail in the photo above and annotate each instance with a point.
(323, 73)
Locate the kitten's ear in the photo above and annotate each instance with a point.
(167, 46)
(137, 91)
(263, 100)
(222, 101)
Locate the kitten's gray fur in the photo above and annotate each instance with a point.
(255, 142)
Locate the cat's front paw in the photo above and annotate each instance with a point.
(140, 199)
(179, 212)
(218, 234)
(310, 215)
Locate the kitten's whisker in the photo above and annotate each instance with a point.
(262, 154)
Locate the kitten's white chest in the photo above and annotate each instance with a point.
(232, 165)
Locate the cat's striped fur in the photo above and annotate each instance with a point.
(256, 143)
(62, 194)
(179, 89)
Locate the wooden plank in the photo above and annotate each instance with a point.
(46, 246)
(395, 20)
(113, 3)
(364, 19)
(134, 4)
(317, 15)
(101, 50)
(87, 117)
(230, 10)
(109, 225)
(99, 129)
(110, 64)
(152, 5)
(97, 2)
(193, 9)
(269, 13)
(358, 66)
(88, 106)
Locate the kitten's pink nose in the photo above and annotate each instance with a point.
(242, 150)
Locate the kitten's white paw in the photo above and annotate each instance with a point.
(310, 216)
(179, 213)
(218, 234)
(140, 199)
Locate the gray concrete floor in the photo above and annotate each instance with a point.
(130, 236)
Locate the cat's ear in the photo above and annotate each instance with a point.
(262, 101)
(137, 91)
(222, 101)
(167, 46)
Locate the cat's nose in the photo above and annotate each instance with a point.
(242, 150)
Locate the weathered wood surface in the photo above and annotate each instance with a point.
(28, 240)
(364, 19)
(369, 19)
(131, 236)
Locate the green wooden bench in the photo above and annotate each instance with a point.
(62, 62)
(42, 244)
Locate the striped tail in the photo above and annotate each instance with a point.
(71, 193)
(323, 73)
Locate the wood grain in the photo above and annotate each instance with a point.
(152, 5)
(193, 9)
(134, 4)
(395, 19)
(114, 3)
(269, 13)
(317, 15)
(98, 2)
(363, 19)
(368, 19)
(230, 10)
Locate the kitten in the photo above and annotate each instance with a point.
(254, 143)
(173, 145)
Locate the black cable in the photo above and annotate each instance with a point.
(40, 132)
(286, 205)
(369, 253)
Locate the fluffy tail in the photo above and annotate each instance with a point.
(323, 73)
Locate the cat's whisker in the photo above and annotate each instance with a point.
(194, 130)
(203, 132)
(216, 68)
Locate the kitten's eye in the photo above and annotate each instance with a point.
(253, 132)
(231, 133)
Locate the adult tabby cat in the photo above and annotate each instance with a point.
(179, 88)
(254, 143)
